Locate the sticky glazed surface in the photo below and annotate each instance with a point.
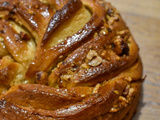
(66, 60)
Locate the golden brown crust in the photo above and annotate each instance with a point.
(93, 72)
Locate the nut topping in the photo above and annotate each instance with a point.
(94, 58)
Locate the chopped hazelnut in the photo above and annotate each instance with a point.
(96, 88)
(111, 20)
(116, 91)
(66, 78)
(106, 8)
(122, 32)
(121, 98)
(130, 94)
(61, 56)
(123, 101)
(85, 66)
(131, 91)
(59, 64)
(126, 90)
(114, 109)
(94, 59)
(1, 39)
(117, 58)
(76, 81)
(116, 17)
(95, 34)
(104, 31)
(129, 79)
(30, 12)
(120, 47)
(91, 54)
(95, 62)
(83, 95)
(36, 6)
(70, 72)
(103, 53)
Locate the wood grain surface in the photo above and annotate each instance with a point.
(143, 19)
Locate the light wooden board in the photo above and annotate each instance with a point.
(143, 19)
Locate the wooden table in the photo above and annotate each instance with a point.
(143, 19)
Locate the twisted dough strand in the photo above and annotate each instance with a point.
(91, 72)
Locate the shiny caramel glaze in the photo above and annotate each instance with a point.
(66, 59)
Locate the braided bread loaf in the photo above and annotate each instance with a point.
(66, 60)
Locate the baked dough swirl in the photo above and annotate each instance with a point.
(66, 60)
